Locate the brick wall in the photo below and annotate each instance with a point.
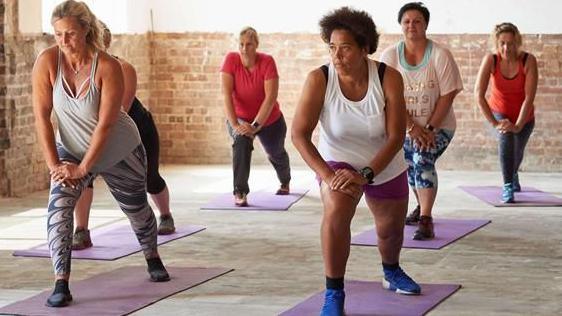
(4, 139)
(185, 96)
(179, 82)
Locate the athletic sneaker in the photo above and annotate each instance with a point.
(283, 190)
(414, 217)
(166, 226)
(398, 281)
(81, 239)
(425, 228)
(516, 184)
(240, 199)
(333, 303)
(507, 193)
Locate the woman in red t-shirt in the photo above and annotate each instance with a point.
(510, 107)
(250, 84)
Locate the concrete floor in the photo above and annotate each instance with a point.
(512, 266)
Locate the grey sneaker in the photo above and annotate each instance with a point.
(81, 239)
(414, 217)
(166, 226)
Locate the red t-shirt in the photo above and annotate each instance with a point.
(249, 92)
(508, 95)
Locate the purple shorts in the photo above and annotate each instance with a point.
(395, 189)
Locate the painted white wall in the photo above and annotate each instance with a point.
(29, 16)
(290, 16)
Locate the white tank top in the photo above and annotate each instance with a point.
(354, 131)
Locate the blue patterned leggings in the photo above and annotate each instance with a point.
(127, 183)
(421, 164)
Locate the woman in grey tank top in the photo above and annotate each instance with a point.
(94, 137)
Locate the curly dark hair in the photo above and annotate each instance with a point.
(358, 23)
(418, 6)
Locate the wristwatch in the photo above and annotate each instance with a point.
(429, 127)
(255, 124)
(368, 174)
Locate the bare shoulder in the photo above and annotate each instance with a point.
(392, 76)
(531, 58)
(47, 58)
(107, 63)
(317, 77)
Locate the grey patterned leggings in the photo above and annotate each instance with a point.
(127, 183)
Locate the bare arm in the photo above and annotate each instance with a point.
(110, 105)
(531, 79)
(130, 84)
(395, 117)
(442, 107)
(227, 84)
(481, 86)
(271, 88)
(42, 99)
(305, 120)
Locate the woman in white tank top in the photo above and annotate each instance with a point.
(363, 122)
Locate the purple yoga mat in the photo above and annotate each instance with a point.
(111, 242)
(257, 201)
(118, 292)
(528, 196)
(369, 298)
(446, 232)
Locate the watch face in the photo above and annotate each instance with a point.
(367, 173)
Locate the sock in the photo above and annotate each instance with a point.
(334, 283)
(390, 267)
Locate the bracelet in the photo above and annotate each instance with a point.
(410, 128)
(429, 127)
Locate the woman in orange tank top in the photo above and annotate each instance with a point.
(510, 107)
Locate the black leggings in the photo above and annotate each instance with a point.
(149, 137)
(150, 140)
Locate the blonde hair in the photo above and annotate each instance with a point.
(106, 35)
(85, 17)
(251, 32)
(505, 27)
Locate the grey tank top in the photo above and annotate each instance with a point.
(77, 117)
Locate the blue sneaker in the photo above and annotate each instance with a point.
(399, 282)
(516, 185)
(333, 303)
(507, 193)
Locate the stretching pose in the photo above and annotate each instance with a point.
(431, 82)
(510, 108)
(360, 105)
(156, 186)
(249, 85)
(84, 86)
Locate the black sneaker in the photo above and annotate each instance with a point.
(61, 295)
(414, 217)
(157, 270)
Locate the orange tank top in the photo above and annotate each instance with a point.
(508, 94)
